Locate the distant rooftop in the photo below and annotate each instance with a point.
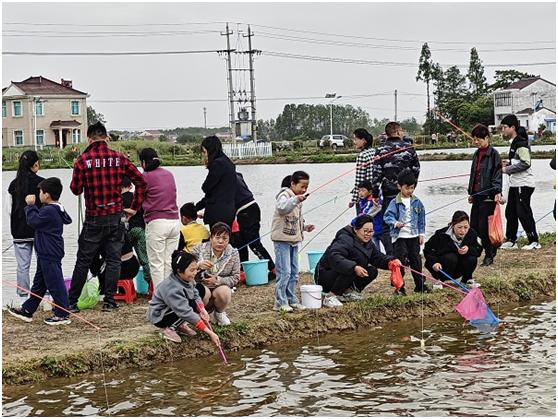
(523, 83)
(39, 85)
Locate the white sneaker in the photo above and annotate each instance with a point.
(509, 245)
(285, 307)
(221, 318)
(531, 246)
(298, 306)
(332, 301)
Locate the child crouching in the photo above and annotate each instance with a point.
(176, 301)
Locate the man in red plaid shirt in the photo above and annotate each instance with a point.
(98, 172)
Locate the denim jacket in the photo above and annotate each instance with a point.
(395, 212)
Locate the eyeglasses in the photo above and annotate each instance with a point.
(366, 231)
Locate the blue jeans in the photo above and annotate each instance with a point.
(286, 268)
(23, 252)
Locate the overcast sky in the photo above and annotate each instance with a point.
(384, 32)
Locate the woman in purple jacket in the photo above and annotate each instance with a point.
(162, 228)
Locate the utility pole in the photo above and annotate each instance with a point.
(251, 53)
(204, 117)
(229, 68)
(395, 100)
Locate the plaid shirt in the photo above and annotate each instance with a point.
(98, 172)
(363, 169)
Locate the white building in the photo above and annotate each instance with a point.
(532, 100)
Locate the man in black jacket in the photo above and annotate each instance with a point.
(485, 188)
(386, 169)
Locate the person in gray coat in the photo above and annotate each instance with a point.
(176, 301)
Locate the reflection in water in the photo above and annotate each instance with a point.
(510, 371)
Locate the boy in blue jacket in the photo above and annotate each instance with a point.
(406, 219)
(48, 222)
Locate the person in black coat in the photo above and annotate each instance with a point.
(25, 183)
(485, 188)
(219, 185)
(249, 216)
(350, 261)
(454, 249)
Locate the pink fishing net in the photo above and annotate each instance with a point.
(473, 306)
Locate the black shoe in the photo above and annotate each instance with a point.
(487, 261)
(73, 308)
(110, 307)
(401, 291)
(56, 321)
(425, 289)
(21, 314)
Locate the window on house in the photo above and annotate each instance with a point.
(17, 109)
(4, 110)
(74, 105)
(39, 109)
(503, 99)
(18, 137)
(40, 136)
(76, 136)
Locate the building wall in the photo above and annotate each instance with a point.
(526, 98)
(54, 109)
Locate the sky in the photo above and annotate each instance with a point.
(133, 92)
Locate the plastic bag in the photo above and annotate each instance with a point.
(495, 229)
(89, 295)
(395, 277)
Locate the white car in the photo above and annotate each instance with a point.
(334, 141)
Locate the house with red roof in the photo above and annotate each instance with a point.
(532, 100)
(38, 112)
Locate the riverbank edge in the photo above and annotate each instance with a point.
(268, 328)
(432, 155)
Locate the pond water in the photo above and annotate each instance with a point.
(320, 208)
(380, 372)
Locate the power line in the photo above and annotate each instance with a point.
(105, 34)
(382, 46)
(283, 29)
(387, 63)
(110, 53)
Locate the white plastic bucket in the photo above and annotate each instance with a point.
(311, 296)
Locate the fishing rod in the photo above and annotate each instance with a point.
(454, 125)
(374, 159)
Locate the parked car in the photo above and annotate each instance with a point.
(334, 141)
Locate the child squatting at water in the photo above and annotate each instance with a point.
(176, 301)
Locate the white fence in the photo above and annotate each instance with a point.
(247, 150)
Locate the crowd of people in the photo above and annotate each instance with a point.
(194, 269)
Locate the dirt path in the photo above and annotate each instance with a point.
(33, 351)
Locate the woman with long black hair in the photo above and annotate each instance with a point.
(219, 185)
(24, 184)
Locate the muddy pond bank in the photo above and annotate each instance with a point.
(34, 352)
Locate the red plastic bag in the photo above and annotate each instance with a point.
(396, 277)
(495, 229)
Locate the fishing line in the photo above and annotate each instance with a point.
(7, 248)
(372, 160)
(326, 226)
(103, 371)
(521, 232)
(453, 125)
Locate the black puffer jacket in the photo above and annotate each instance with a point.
(220, 192)
(490, 173)
(441, 243)
(347, 251)
(20, 230)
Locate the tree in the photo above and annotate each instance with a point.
(503, 78)
(426, 72)
(477, 80)
(93, 117)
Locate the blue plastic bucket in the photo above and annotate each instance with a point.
(314, 257)
(256, 272)
(141, 284)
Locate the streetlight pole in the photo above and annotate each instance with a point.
(331, 96)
